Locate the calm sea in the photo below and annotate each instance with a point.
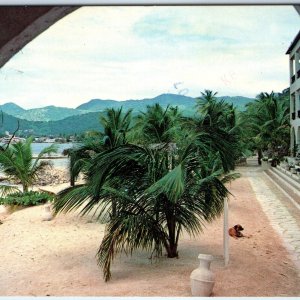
(59, 162)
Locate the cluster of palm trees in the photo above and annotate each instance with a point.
(159, 173)
(154, 175)
(267, 125)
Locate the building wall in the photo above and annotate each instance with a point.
(295, 95)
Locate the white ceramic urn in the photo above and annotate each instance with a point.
(4, 209)
(47, 215)
(202, 278)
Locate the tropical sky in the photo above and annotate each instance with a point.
(140, 52)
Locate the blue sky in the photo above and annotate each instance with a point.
(125, 53)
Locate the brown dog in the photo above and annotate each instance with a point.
(235, 231)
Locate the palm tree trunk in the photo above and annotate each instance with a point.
(259, 156)
(113, 207)
(172, 249)
(171, 246)
(25, 188)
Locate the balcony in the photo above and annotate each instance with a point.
(293, 116)
(293, 79)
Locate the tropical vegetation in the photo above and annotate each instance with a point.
(267, 123)
(156, 174)
(29, 198)
(164, 175)
(17, 162)
(57, 121)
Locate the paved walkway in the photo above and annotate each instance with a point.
(275, 206)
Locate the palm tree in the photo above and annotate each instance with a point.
(206, 98)
(157, 125)
(268, 124)
(218, 125)
(159, 194)
(17, 162)
(116, 126)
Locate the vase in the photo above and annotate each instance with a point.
(47, 216)
(202, 278)
(4, 209)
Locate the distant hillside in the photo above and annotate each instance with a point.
(183, 102)
(70, 125)
(48, 113)
(11, 108)
(54, 113)
(238, 101)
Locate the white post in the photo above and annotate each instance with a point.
(225, 233)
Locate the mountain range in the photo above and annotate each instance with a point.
(54, 113)
(52, 120)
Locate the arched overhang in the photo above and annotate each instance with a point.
(21, 24)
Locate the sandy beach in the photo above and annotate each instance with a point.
(57, 258)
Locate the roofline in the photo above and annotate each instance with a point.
(294, 42)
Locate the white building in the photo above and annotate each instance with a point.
(294, 53)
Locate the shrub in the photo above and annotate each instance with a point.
(30, 198)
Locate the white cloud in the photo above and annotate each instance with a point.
(137, 52)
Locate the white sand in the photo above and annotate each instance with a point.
(57, 258)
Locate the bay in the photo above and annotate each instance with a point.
(57, 162)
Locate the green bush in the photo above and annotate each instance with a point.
(30, 198)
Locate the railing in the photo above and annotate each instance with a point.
(293, 116)
(293, 79)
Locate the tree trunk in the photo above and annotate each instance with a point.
(25, 188)
(171, 246)
(113, 207)
(172, 250)
(259, 156)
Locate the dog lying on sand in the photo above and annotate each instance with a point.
(235, 231)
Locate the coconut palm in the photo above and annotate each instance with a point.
(17, 162)
(116, 126)
(159, 192)
(206, 98)
(268, 124)
(218, 125)
(157, 125)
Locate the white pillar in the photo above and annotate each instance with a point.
(225, 233)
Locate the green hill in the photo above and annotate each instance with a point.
(54, 113)
(48, 113)
(52, 120)
(70, 125)
(12, 108)
(183, 102)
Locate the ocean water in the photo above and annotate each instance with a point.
(59, 162)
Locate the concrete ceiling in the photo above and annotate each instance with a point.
(21, 24)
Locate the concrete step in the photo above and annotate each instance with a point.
(292, 179)
(287, 184)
